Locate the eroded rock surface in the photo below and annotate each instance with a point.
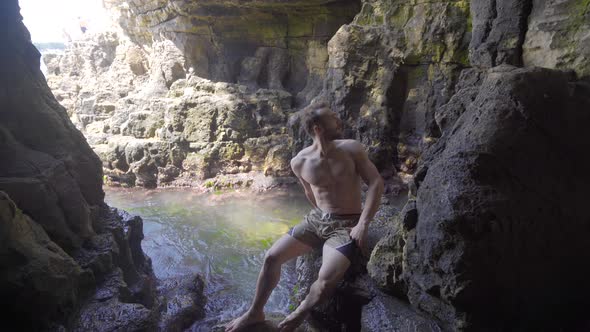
(42, 281)
(271, 44)
(557, 35)
(167, 127)
(67, 261)
(498, 214)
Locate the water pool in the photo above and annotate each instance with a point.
(221, 236)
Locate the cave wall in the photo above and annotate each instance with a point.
(62, 250)
(390, 69)
(269, 44)
(493, 235)
(47, 166)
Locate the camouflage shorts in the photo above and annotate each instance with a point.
(319, 227)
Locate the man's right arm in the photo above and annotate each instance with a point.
(296, 166)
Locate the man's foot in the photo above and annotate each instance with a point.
(291, 322)
(243, 321)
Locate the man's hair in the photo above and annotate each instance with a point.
(311, 116)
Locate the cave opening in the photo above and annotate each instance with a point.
(55, 24)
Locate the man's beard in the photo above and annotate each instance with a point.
(332, 135)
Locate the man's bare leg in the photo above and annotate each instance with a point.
(334, 265)
(281, 251)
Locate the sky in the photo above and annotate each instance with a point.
(52, 21)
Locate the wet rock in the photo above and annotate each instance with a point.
(386, 313)
(269, 325)
(385, 266)
(113, 315)
(181, 302)
(125, 291)
(97, 254)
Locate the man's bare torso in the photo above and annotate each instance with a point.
(333, 178)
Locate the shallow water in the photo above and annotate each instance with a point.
(223, 237)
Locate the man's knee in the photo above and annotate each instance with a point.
(272, 259)
(325, 286)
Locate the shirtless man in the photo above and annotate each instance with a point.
(330, 171)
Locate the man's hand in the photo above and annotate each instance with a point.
(359, 235)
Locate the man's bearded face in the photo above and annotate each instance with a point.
(331, 125)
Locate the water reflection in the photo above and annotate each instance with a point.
(222, 237)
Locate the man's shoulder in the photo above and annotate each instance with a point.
(350, 145)
(304, 153)
(299, 159)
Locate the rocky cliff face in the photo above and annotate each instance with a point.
(67, 261)
(498, 214)
(271, 44)
(494, 214)
(195, 91)
(491, 216)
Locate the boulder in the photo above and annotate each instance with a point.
(40, 282)
(500, 221)
(181, 302)
(386, 313)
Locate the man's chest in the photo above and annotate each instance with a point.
(329, 170)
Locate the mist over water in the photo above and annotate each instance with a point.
(223, 237)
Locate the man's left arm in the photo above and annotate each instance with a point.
(370, 175)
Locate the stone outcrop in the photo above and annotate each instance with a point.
(270, 44)
(557, 35)
(47, 168)
(498, 33)
(498, 229)
(165, 126)
(498, 184)
(67, 261)
(473, 244)
(182, 302)
(39, 280)
(390, 69)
